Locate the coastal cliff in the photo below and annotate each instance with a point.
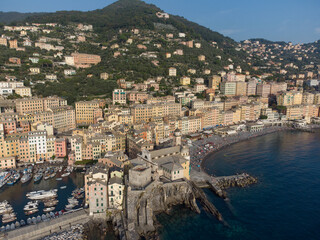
(143, 205)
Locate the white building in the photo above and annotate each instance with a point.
(115, 192)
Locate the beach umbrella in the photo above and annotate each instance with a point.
(3, 228)
(51, 214)
(8, 227)
(48, 215)
(38, 219)
(34, 220)
(29, 221)
(43, 217)
(22, 222)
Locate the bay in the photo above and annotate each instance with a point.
(284, 204)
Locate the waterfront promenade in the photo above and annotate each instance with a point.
(40, 230)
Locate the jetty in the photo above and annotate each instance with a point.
(219, 184)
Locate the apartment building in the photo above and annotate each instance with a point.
(228, 88)
(23, 91)
(145, 112)
(82, 60)
(214, 81)
(263, 90)
(64, 118)
(241, 88)
(115, 192)
(96, 189)
(87, 112)
(30, 105)
(172, 72)
(119, 96)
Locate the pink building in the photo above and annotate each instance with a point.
(60, 147)
(24, 126)
(24, 150)
(137, 97)
(9, 126)
(71, 158)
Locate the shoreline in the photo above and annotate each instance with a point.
(219, 143)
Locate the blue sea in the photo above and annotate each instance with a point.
(284, 204)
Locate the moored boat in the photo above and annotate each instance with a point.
(65, 174)
(37, 177)
(13, 179)
(40, 195)
(26, 177)
(49, 209)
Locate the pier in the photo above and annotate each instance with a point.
(219, 184)
(42, 229)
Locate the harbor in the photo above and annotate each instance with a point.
(30, 196)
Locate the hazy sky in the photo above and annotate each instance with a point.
(283, 20)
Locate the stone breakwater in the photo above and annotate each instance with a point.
(241, 180)
(219, 184)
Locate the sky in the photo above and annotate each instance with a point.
(297, 21)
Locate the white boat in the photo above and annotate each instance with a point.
(39, 195)
(26, 177)
(70, 206)
(5, 208)
(65, 174)
(49, 209)
(59, 179)
(6, 218)
(63, 187)
(31, 206)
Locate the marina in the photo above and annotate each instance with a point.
(30, 198)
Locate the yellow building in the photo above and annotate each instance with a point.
(185, 81)
(87, 112)
(23, 91)
(214, 81)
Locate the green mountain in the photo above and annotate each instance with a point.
(113, 25)
(126, 14)
(9, 17)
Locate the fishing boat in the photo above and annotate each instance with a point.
(47, 175)
(26, 177)
(63, 187)
(59, 179)
(13, 179)
(4, 177)
(37, 177)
